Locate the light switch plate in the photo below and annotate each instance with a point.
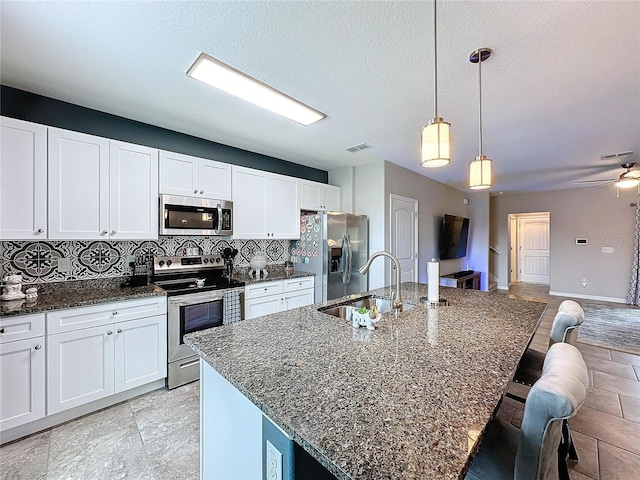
(64, 264)
(274, 462)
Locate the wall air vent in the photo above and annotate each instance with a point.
(357, 148)
(617, 155)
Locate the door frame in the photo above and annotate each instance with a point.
(393, 197)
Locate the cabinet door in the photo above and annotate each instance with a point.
(23, 180)
(310, 195)
(79, 367)
(22, 382)
(285, 210)
(140, 352)
(133, 199)
(214, 180)
(78, 185)
(301, 298)
(178, 174)
(331, 200)
(257, 307)
(250, 208)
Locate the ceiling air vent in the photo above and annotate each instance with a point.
(617, 155)
(357, 148)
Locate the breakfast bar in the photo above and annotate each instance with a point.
(409, 399)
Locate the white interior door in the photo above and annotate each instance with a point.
(533, 248)
(404, 237)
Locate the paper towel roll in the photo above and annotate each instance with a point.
(433, 280)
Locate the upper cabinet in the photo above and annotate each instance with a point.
(194, 177)
(101, 189)
(23, 180)
(265, 205)
(319, 196)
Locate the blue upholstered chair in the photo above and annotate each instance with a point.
(564, 329)
(536, 450)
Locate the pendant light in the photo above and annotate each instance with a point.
(435, 135)
(480, 168)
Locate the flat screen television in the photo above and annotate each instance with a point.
(453, 237)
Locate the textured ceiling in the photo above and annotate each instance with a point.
(561, 88)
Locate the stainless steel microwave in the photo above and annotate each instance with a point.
(195, 216)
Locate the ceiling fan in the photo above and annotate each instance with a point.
(628, 179)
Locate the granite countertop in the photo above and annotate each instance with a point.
(404, 401)
(274, 272)
(76, 293)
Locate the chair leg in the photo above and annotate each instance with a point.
(566, 449)
(566, 438)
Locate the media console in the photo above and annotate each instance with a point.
(467, 279)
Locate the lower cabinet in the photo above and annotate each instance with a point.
(22, 375)
(265, 298)
(91, 363)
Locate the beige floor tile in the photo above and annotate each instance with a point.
(593, 351)
(573, 475)
(607, 366)
(630, 388)
(604, 401)
(630, 408)
(608, 428)
(636, 369)
(587, 449)
(617, 464)
(624, 357)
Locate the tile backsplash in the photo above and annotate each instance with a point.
(38, 261)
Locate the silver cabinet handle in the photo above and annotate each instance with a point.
(109, 332)
(40, 230)
(3, 330)
(104, 232)
(119, 330)
(113, 232)
(201, 192)
(38, 347)
(195, 191)
(115, 312)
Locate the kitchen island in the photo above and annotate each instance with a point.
(408, 400)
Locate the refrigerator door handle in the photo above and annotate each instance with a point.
(349, 256)
(344, 258)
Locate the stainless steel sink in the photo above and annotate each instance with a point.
(344, 311)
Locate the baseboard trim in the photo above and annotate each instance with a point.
(503, 287)
(589, 297)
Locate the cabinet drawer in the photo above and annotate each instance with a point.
(103, 314)
(263, 288)
(293, 284)
(21, 327)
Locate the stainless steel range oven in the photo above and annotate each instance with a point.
(199, 297)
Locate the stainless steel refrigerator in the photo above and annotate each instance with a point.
(334, 246)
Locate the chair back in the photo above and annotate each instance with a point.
(557, 395)
(565, 324)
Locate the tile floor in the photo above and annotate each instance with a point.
(156, 436)
(606, 429)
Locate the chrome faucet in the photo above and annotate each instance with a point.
(397, 301)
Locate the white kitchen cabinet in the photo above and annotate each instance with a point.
(264, 298)
(265, 205)
(22, 370)
(133, 192)
(319, 196)
(23, 180)
(194, 177)
(101, 189)
(92, 356)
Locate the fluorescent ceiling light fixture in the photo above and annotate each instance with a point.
(220, 75)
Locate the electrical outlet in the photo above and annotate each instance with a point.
(584, 282)
(274, 462)
(64, 265)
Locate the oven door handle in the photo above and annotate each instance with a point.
(196, 302)
(219, 219)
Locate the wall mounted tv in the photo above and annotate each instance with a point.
(453, 237)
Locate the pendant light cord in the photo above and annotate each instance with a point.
(435, 62)
(480, 97)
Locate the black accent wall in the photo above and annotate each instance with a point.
(48, 111)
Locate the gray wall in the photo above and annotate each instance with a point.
(478, 246)
(595, 213)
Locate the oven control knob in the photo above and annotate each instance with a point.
(217, 259)
(169, 262)
(206, 260)
(161, 263)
